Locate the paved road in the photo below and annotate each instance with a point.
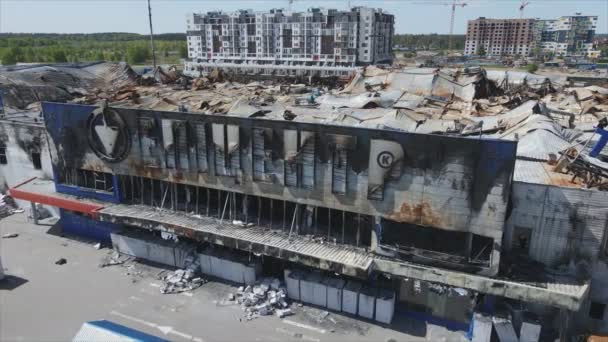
(45, 301)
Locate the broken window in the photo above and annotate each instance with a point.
(175, 139)
(260, 153)
(169, 143)
(3, 159)
(201, 146)
(226, 144)
(99, 181)
(521, 239)
(339, 167)
(36, 160)
(299, 151)
(149, 142)
(291, 218)
(180, 133)
(339, 146)
(596, 310)
(414, 242)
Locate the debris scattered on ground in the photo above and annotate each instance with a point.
(61, 261)
(114, 258)
(97, 245)
(10, 235)
(183, 280)
(268, 296)
(8, 206)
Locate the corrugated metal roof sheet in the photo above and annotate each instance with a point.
(527, 171)
(539, 144)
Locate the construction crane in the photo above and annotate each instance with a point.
(453, 4)
(522, 6)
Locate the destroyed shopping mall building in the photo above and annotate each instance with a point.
(432, 193)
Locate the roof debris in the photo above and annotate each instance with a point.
(546, 115)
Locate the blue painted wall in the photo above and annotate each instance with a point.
(86, 227)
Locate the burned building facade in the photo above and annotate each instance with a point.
(353, 187)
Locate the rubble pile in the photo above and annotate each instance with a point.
(8, 206)
(182, 280)
(266, 297)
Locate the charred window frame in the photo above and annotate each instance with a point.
(226, 162)
(326, 224)
(3, 159)
(175, 140)
(299, 166)
(261, 154)
(200, 133)
(149, 141)
(181, 144)
(340, 147)
(35, 153)
(93, 180)
(36, 160)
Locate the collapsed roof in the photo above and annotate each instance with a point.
(26, 84)
(544, 115)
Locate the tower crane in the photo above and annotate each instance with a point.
(453, 4)
(522, 6)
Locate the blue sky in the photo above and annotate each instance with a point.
(411, 16)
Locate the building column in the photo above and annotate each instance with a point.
(376, 234)
(34, 212)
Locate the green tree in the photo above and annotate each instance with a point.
(99, 56)
(58, 56)
(532, 68)
(137, 54)
(10, 57)
(481, 50)
(183, 51)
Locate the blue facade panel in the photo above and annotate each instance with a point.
(86, 227)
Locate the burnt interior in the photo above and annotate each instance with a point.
(325, 224)
(98, 181)
(417, 242)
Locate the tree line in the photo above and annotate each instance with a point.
(415, 42)
(58, 48)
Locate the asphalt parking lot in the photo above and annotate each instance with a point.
(40, 300)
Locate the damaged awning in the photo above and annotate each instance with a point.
(43, 191)
(342, 259)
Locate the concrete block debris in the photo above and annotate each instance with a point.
(9, 235)
(283, 312)
(61, 261)
(182, 280)
(266, 297)
(7, 206)
(114, 258)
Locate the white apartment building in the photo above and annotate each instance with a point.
(568, 35)
(318, 41)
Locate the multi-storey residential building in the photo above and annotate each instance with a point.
(567, 36)
(325, 42)
(498, 37)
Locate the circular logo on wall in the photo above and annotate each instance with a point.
(385, 159)
(108, 135)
